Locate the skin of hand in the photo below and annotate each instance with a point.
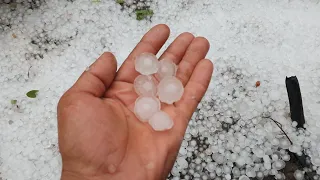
(99, 136)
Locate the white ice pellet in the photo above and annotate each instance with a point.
(146, 63)
(145, 86)
(166, 68)
(278, 165)
(145, 107)
(267, 162)
(182, 162)
(299, 175)
(243, 177)
(258, 152)
(170, 90)
(161, 121)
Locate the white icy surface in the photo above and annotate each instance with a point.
(264, 40)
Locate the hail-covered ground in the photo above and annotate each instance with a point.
(241, 129)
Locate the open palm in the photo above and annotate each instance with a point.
(99, 135)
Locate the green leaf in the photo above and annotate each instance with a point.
(13, 101)
(120, 1)
(96, 1)
(32, 93)
(142, 14)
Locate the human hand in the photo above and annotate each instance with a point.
(100, 137)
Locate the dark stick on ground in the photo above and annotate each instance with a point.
(295, 100)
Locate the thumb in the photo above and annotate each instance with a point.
(97, 79)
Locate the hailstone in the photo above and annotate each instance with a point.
(145, 107)
(243, 177)
(161, 121)
(170, 90)
(145, 86)
(146, 64)
(166, 68)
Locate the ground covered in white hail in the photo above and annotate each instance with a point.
(45, 45)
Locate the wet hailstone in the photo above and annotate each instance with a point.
(243, 177)
(166, 68)
(146, 107)
(170, 90)
(161, 121)
(299, 175)
(145, 86)
(146, 64)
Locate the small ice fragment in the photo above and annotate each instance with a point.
(166, 68)
(146, 64)
(299, 175)
(243, 177)
(267, 162)
(145, 86)
(258, 152)
(218, 158)
(161, 121)
(170, 90)
(145, 107)
(278, 165)
(182, 162)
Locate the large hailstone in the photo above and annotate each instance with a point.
(145, 107)
(146, 64)
(161, 121)
(145, 86)
(166, 68)
(170, 90)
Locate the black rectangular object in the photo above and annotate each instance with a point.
(295, 100)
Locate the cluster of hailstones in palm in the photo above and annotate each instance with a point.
(157, 83)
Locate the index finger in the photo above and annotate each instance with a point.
(151, 42)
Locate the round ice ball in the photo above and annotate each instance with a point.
(161, 121)
(145, 107)
(170, 90)
(243, 177)
(166, 68)
(145, 86)
(146, 64)
(299, 175)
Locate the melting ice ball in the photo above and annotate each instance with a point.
(146, 64)
(243, 177)
(161, 121)
(145, 107)
(170, 90)
(145, 86)
(166, 68)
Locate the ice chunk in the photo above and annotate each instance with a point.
(258, 152)
(243, 177)
(166, 68)
(182, 162)
(267, 162)
(146, 64)
(145, 107)
(145, 86)
(278, 165)
(161, 121)
(299, 175)
(170, 90)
